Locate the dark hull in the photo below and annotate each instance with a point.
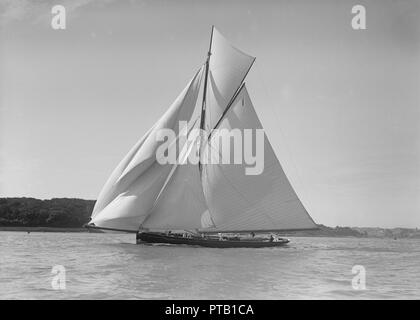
(208, 242)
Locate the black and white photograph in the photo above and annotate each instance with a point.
(209, 150)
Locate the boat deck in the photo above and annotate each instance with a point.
(209, 241)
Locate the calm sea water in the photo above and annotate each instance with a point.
(112, 266)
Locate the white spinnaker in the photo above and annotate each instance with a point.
(181, 204)
(228, 67)
(240, 202)
(132, 188)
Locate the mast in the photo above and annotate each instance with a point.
(203, 106)
(141, 193)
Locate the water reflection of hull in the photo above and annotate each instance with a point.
(209, 241)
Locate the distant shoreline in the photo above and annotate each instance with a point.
(45, 229)
(85, 230)
(69, 215)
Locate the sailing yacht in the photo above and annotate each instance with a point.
(205, 204)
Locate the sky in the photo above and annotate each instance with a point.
(341, 107)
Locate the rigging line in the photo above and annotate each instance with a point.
(226, 110)
(110, 229)
(232, 100)
(203, 106)
(286, 147)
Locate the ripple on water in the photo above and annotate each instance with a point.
(112, 266)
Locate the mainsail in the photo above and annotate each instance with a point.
(142, 193)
